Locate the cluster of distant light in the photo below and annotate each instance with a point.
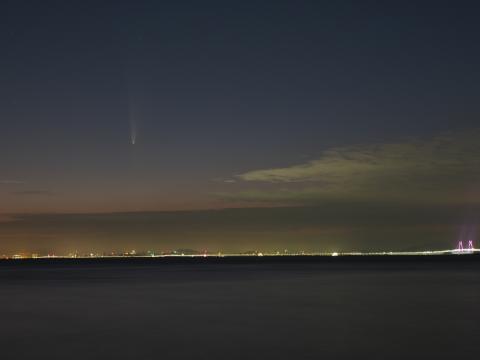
(460, 250)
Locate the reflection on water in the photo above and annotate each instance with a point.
(240, 311)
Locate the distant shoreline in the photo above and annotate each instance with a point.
(246, 259)
(454, 252)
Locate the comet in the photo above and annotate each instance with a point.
(133, 132)
(132, 112)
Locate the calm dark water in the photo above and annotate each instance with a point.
(303, 309)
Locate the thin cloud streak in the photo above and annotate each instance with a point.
(12, 182)
(33, 193)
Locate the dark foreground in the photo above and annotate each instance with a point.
(388, 308)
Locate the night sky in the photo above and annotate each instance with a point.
(238, 125)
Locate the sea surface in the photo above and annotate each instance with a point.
(304, 308)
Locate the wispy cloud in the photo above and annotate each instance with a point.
(6, 218)
(12, 182)
(225, 181)
(438, 169)
(33, 193)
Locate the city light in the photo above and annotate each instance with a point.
(459, 250)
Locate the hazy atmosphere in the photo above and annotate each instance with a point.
(238, 126)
